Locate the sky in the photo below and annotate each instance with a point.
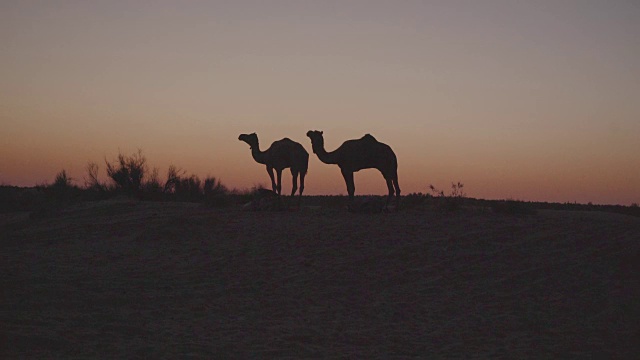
(526, 100)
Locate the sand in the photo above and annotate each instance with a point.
(128, 279)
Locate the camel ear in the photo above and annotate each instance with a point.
(321, 133)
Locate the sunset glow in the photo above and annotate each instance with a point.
(521, 100)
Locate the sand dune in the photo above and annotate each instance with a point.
(123, 279)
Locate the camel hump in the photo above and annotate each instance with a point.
(369, 137)
(284, 141)
(287, 145)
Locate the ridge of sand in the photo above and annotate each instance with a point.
(122, 279)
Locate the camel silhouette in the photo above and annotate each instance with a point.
(282, 154)
(358, 154)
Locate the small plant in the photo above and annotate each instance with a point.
(451, 202)
(62, 181)
(456, 190)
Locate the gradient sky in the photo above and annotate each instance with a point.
(529, 100)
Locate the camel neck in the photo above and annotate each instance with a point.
(324, 156)
(258, 156)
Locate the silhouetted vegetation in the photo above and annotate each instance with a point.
(451, 202)
(62, 189)
(213, 193)
(128, 173)
(191, 188)
(129, 176)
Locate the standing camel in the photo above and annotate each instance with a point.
(282, 154)
(358, 154)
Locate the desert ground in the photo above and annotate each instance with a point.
(128, 279)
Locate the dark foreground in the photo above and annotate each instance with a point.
(125, 279)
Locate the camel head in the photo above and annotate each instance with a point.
(251, 139)
(316, 139)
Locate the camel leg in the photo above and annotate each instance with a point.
(295, 182)
(351, 187)
(279, 181)
(397, 186)
(302, 175)
(390, 187)
(273, 182)
(295, 186)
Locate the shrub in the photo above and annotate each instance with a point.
(94, 190)
(181, 188)
(62, 188)
(213, 186)
(128, 172)
(91, 181)
(188, 189)
(173, 178)
(62, 181)
(152, 188)
(215, 194)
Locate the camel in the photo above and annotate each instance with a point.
(282, 154)
(358, 154)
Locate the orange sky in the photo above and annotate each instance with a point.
(516, 100)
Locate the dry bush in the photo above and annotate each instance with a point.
(128, 172)
(91, 181)
(451, 202)
(190, 188)
(215, 193)
(152, 188)
(62, 188)
(62, 181)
